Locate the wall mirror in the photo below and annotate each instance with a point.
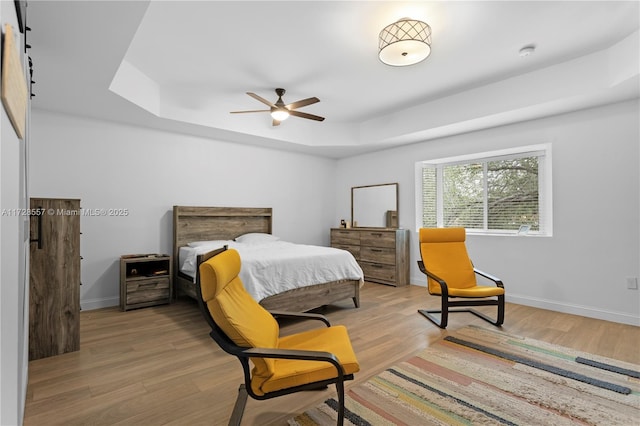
(374, 206)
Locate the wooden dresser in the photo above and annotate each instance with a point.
(383, 254)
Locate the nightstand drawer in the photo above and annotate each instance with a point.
(385, 255)
(148, 290)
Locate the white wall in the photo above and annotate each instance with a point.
(112, 166)
(583, 267)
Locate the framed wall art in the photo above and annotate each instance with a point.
(14, 86)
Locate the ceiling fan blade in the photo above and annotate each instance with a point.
(303, 102)
(305, 115)
(255, 110)
(261, 99)
(275, 123)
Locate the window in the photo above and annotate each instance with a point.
(495, 192)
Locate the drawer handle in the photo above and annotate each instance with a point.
(375, 265)
(377, 234)
(148, 286)
(377, 250)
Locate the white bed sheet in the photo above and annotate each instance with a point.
(274, 267)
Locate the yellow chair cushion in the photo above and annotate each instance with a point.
(450, 262)
(289, 373)
(444, 254)
(477, 291)
(442, 235)
(241, 318)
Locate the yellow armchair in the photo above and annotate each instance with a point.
(309, 360)
(450, 275)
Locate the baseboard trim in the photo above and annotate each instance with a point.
(568, 308)
(105, 302)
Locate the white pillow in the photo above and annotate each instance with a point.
(256, 238)
(214, 243)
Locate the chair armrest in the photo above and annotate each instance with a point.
(443, 285)
(301, 315)
(296, 354)
(493, 278)
(429, 274)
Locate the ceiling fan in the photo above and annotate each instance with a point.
(281, 111)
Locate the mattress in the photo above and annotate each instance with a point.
(274, 267)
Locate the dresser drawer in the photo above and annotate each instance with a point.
(354, 250)
(341, 236)
(378, 239)
(379, 272)
(385, 255)
(147, 289)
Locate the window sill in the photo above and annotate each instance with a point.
(507, 234)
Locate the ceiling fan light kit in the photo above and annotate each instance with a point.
(405, 42)
(280, 111)
(279, 114)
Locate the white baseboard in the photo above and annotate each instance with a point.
(90, 304)
(567, 308)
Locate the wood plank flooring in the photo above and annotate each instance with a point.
(158, 366)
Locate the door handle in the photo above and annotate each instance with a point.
(39, 227)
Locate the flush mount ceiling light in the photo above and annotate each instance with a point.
(405, 42)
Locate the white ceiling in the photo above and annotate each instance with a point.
(182, 66)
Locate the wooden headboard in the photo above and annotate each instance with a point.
(216, 223)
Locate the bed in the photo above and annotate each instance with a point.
(198, 230)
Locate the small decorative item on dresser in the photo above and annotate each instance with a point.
(145, 280)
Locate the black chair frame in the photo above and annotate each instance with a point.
(244, 354)
(446, 301)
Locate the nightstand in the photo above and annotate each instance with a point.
(145, 280)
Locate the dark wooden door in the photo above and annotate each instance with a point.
(54, 275)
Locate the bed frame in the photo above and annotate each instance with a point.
(226, 223)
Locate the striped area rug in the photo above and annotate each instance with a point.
(477, 376)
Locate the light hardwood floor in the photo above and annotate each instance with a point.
(157, 365)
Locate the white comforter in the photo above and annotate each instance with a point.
(273, 267)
